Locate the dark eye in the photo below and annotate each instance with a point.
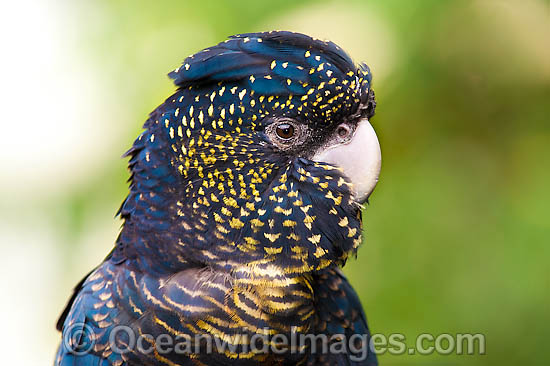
(285, 131)
(286, 134)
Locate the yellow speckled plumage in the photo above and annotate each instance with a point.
(229, 232)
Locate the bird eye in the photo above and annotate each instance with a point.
(285, 131)
(286, 134)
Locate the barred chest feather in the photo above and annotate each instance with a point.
(198, 304)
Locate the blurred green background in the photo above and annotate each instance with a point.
(457, 232)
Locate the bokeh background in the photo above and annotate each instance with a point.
(457, 232)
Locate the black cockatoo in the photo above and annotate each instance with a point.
(245, 199)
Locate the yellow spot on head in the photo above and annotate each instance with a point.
(236, 223)
(242, 94)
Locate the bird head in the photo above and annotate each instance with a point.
(262, 156)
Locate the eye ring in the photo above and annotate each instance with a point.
(286, 133)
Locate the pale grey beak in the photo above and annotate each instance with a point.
(359, 158)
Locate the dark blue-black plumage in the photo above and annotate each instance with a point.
(225, 233)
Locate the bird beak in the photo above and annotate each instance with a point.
(359, 158)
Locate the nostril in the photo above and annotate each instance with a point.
(343, 131)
